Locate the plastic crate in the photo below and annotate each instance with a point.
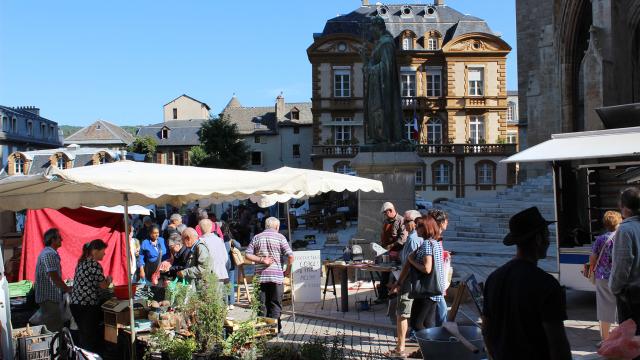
(35, 347)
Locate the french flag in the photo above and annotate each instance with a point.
(415, 132)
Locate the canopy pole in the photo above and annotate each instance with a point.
(127, 242)
(293, 303)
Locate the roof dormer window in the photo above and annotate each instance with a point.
(408, 39)
(164, 133)
(59, 160)
(383, 10)
(102, 157)
(295, 114)
(406, 11)
(17, 164)
(430, 11)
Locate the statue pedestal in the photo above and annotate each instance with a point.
(397, 172)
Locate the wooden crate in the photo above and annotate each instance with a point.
(269, 327)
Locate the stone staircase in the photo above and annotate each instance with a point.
(477, 226)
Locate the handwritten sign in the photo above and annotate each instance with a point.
(307, 271)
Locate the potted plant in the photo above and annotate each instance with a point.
(208, 311)
(171, 348)
(242, 342)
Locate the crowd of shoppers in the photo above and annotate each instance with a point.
(415, 241)
(181, 253)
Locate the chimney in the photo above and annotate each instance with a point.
(31, 109)
(439, 3)
(365, 2)
(280, 109)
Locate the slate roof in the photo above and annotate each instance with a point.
(247, 117)
(181, 132)
(446, 20)
(187, 96)
(39, 159)
(100, 132)
(25, 113)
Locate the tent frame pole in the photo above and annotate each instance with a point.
(127, 242)
(293, 303)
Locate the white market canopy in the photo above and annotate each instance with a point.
(612, 143)
(132, 210)
(146, 183)
(309, 183)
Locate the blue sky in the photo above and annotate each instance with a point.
(121, 61)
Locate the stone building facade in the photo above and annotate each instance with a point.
(279, 135)
(453, 85)
(179, 131)
(23, 129)
(574, 56)
(184, 107)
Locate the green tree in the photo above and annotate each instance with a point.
(144, 145)
(221, 146)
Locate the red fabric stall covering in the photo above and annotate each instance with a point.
(77, 227)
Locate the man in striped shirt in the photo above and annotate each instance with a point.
(267, 250)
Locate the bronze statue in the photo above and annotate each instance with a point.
(382, 107)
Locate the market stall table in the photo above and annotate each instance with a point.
(344, 279)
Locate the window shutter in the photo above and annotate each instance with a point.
(475, 75)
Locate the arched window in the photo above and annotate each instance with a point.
(434, 131)
(442, 175)
(102, 157)
(17, 164)
(408, 38)
(432, 40)
(485, 175)
(59, 160)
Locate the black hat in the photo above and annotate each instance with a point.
(523, 224)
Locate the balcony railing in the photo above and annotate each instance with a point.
(341, 151)
(476, 102)
(461, 149)
(410, 103)
(349, 151)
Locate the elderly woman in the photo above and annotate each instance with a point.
(152, 252)
(179, 256)
(600, 262)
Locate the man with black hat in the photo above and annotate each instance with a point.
(524, 307)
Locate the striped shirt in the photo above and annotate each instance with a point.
(46, 290)
(435, 251)
(274, 245)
